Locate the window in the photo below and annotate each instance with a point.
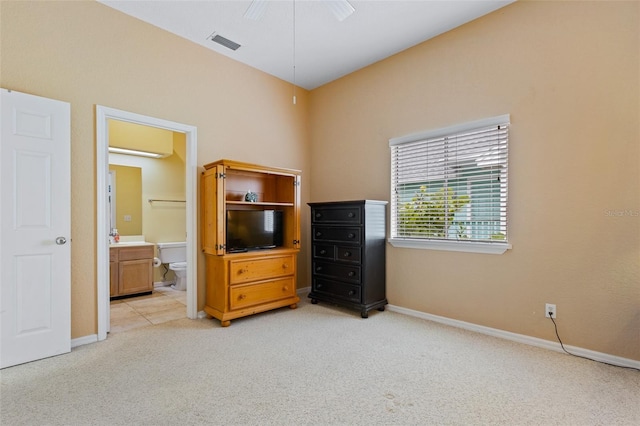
(449, 187)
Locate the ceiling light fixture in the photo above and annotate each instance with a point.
(114, 150)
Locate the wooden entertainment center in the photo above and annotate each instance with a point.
(245, 283)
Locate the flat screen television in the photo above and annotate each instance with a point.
(253, 230)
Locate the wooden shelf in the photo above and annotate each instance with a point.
(259, 203)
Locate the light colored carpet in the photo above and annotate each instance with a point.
(316, 365)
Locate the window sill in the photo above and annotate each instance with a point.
(463, 246)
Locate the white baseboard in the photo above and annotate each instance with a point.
(303, 291)
(520, 338)
(84, 340)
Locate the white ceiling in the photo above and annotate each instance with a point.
(325, 48)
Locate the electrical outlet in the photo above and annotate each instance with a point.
(127, 218)
(550, 308)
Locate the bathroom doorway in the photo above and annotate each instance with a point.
(103, 116)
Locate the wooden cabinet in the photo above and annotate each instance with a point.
(241, 284)
(131, 270)
(348, 254)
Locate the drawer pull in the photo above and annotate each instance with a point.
(351, 292)
(242, 296)
(351, 235)
(285, 288)
(347, 254)
(243, 271)
(351, 215)
(323, 251)
(285, 265)
(319, 286)
(318, 215)
(318, 268)
(318, 234)
(351, 273)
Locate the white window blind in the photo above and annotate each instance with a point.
(451, 184)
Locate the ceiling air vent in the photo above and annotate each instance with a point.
(224, 41)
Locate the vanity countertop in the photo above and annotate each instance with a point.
(130, 244)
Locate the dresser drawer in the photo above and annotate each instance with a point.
(324, 251)
(337, 215)
(339, 234)
(336, 289)
(243, 296)
(242, 271)
(348, 254)
(341, 272)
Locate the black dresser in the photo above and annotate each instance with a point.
(348, 254)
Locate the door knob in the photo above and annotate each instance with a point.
(61, 241)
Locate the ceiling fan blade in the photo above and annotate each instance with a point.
(341, 9)
(256, 10)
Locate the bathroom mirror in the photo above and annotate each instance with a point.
(126, 199)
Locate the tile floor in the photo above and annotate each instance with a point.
(164, 304)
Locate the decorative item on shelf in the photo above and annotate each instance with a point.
(251, 197)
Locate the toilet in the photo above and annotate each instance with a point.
(175, 255)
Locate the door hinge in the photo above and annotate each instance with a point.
(221, 175)
(221, 247)
(296, 183)
(296, 242)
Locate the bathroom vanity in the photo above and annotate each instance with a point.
(131, 267)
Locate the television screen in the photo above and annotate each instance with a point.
(253, 229)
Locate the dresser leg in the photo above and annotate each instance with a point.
(293, 306)
(225, 323)
(314, 301)
(364, 314)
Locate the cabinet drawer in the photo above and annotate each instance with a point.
(339, 234)
(247, 295)
(341, 272)
(134, 253)
(339, 215)
(336, 289)
(242, 271)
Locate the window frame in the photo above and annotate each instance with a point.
(488, 247)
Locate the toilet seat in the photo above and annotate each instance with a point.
(178, 265)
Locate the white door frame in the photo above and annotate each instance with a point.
(102, 170)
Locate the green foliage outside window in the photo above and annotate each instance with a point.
(430, 214)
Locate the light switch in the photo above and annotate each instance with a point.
(127, 218)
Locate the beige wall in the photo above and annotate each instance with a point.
(88, 54)
(568, 73)
(140, 138)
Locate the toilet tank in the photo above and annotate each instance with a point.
(172, 252)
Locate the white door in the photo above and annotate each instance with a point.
(35, 244)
